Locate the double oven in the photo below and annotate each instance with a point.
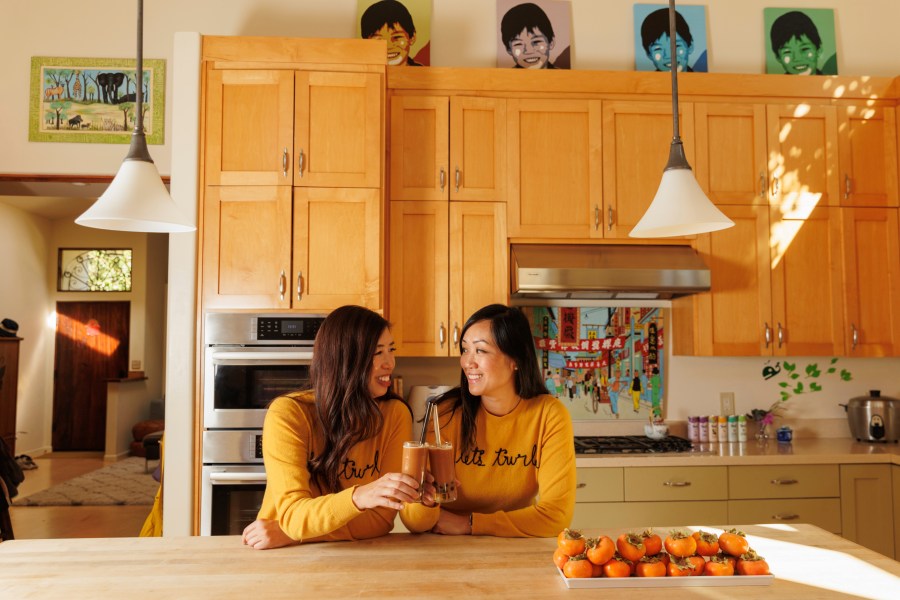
(249, 360)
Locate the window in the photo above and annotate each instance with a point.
(98, 270)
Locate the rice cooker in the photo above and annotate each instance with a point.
(874, 418)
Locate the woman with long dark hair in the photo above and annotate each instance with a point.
(513, 443)
(333, 453)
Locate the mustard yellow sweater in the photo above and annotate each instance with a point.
(290, 436)
(520, 480)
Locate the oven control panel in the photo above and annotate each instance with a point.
(257, 448)
(287, 328)
(268, 329)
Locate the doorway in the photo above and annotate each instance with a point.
(91, 348)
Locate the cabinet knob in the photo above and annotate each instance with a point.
(854, 336)
(442, 178)
(458, 177)
(299, 285)
(780, 335)
(456, 334)
(300, 162)
(442, 334)
(768, 334)
(284, 162)
(282, 284)
(596, 217)
(609, 218)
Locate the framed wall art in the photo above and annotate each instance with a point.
(94, 270)
(91, 100)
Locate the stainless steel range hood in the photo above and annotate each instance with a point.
(606, 272)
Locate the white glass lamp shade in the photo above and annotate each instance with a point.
(679, 208)
(136, 200)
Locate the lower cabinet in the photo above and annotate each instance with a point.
(895, 482)
(867, 514)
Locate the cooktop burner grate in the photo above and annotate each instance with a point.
(629, 444)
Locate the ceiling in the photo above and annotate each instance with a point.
(51, 199)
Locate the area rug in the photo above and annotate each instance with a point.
(123, 482)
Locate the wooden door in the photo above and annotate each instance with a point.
(479, 261)
(803, 157)
(9, 388)
(419, 148)
(337, 130)
(636, 141)
(807, 285)
(91, 347)
(731, 152)
(249, 127)
(871, 281)
(337, 254)
(554, 171)
(247, 247)
(477, 149)
(868, 155)
(735, 317)
(418, 278)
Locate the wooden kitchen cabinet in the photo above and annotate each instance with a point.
(293, 128)
(555, 169)
(315, 249)
(9, 389)
(867, 515)
(447, 260)
(895, 484)
(448, 148)
(867, 136)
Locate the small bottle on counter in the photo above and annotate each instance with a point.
(742, 428)
(694, 429)
(732, 428)
(723, 428)
(713, 424)
(703, 427)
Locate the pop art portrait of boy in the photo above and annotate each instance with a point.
(800, 42)
(534, 35)
(652, 46)
(405, 26)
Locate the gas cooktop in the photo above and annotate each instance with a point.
(629, 444)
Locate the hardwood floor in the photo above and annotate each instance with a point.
(55, 522)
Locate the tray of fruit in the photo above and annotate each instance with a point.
(679, 558)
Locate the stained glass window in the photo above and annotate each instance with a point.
(95, 270)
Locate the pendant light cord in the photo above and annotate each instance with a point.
(673, 67)
(139, 70)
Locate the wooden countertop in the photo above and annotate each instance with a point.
(807, 562)
(805, 452)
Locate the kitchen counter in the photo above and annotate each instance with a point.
(808, 451)
(807, 562)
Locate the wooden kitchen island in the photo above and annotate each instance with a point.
(808, 562)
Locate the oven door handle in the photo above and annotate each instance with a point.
(238, 357)
(237, 477)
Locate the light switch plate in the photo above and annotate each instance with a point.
(726, 402)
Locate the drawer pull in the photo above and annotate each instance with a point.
(676, 483)
(785, 517)
(784, 481)
(580, 486)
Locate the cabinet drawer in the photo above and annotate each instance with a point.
(638, 516)
(676, 483)
(599, 484)
(784, 481)
(822, 512)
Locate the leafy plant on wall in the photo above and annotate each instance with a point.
(793, 381)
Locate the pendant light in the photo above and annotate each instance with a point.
(137, 199)
(680, 207)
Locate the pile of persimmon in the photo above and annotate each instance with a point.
(646, 554)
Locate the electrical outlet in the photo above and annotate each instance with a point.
(726, 403)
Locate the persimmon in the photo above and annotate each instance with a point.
(596, 570)
(617, 567)
(680, 567)
(570, 541)
(600, 550)
(718, 566)
(578, 567)
(751, 563)
(681, 544)
(650, 566)
(560, 558)
(707, 543)
(733, 542)
(631, 546)
(698, 562)
(652, 542)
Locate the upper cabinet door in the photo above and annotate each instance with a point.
(477, 149)
(731, 152)
(803, 163)
(419, 148)
(249, 127)
(868, 155)
(636, 141)
(554, 175)
(337, 130)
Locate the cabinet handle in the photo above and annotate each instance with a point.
(442, 334)
(596, 217)
(609, 218)
(780, 336)
(676, 483)
(282, 284)
(443, 177)
(458, 177)
(456, 334)
(847, 187)
(299, 285)
(768, 335)
(784, 481)
(580, 486)
(284, 162)
(785, 517)
(775, 186)
(854, 336)
(300, 161)
(762, 185)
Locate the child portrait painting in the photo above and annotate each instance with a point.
(534, 35)
(653, 47)
(800, 42)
